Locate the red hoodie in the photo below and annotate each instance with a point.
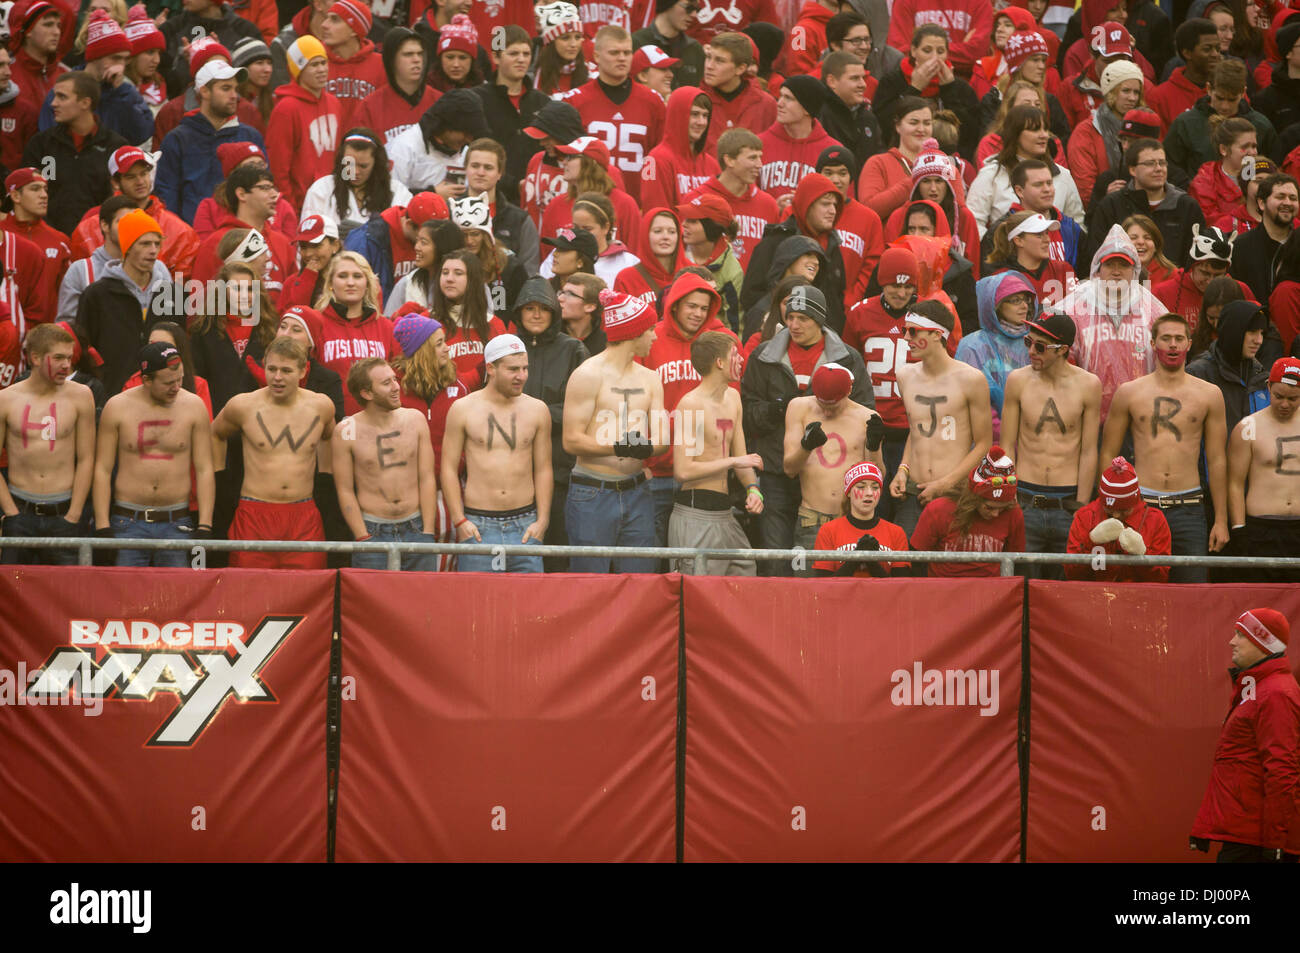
(958, 17)
(754, 211)
(1215, 193)
(10, 352)
(670, 354)
(301, 138)
(787, 160)
(55, 256)
(750, 107)
(390, 114)
(20, 285)
(1264, 71)
(631, 15)
(1178, 293)
(675, 167)
(1174, 97)
(803, 50)
(283, 263)
(34, 78)
(354, 79)
(345, 342)
(647, 280)
(861, 244)
(1092, 14)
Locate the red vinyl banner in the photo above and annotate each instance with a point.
(163, 715)
(826, 721)
(1130, 688)
(493, 718)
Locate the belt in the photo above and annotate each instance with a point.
(630, 483)
(1037, 501)
(153, 514)
(711, 500)
(42, 509)
(1167, 502)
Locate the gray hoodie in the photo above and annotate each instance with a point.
(85, 270)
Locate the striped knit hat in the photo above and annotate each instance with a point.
(1267, 628)
(1119, 484)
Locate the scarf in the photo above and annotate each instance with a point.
(930, 91)
(1108, 124)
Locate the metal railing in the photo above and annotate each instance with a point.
(1007, 562)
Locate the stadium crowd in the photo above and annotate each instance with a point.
(959, 276)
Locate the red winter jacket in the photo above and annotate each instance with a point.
(354, 79)
(958, 17)
(750, 107)
(1215, 193)
(390, 114)
(1178, 293)
(1088, 159)
(862, 242)
(55, 256)
(34, 78)
(787, 160)
(1147, 520)
(885, 182)
(1251, 794)
(754, 211)
(676, 167)
(23, 262)
(301, 138)
(1079, 94)
(670, 355)
(180, 242)
(803, 50)
(1174, 97)
(647, 279)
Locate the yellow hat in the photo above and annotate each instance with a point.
(301, 52)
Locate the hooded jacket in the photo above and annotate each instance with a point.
(807, 40)
(18, 123)
(862, 240)
(961, 223)
(84, 272)
(670, 355)
(353, 80)
(749, 106)
(1114, 325)
(1147, 520)
(34, 78)
(1251, 794)
(830, 278)
(1272, 58)
(388, 110)
(1243, 382)
(995, 349)
(189, 170)
(677, 167)
(82, 179)
(787, 160)
(418, 162)
(753, 209)
(301, 137)
(1188, 143)
(115, 315)
(791, 248)
(553, 356)
(1280, 102)
(769, 385)
(958, 17)
(180, 242)
(647, 280)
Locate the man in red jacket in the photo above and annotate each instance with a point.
(969, 24)
(1198, 44)
(30, 200)
(740, 153)
(251, 194)
(305, 124)
(681, 163)
(1080, 93)
(691, 308)
(626, 115)
(17, 117)
(792, 144)
(738, 101)
(355, 68)
(859, 228)
(1119, 522)
(1250, 801)
(803, 50)
(132, 171)
(35, 35)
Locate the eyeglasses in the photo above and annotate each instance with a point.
(1038, 347)
(858, 41)
(1155, 164)
(566, 293)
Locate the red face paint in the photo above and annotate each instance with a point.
(143, 443)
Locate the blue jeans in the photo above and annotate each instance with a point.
(597, 516)
(124, 527)
(31, 526)
(1191, 537)
(407, 531)
(662, 490)
(1046, 531)
(781, 499)
(502, 530)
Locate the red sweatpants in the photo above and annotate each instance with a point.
(257, 519)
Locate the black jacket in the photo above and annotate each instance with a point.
(229, 29)
(856, 128)
(79, 179)
(1057, 121)
(1280, 102)
(507, 124)
(957, 96)
(515, 229)
(763, 272)
(1243, 383)
(1175, 217)
(690, 72)
(553, 356)
(109, 316)
(216, 359)
(1252, 261)
(769, 385)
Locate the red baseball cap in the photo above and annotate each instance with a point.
(589, 146)
(709, 207)
(647, 56)
(426, 205)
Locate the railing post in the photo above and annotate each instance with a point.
(701, 565)
(1008, 566)
(394, 558)
(84, 555)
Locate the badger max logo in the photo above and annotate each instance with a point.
(202, 680)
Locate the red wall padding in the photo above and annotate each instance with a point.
(788, 703)
(478, 692)
(93, 789)
(1129, 689)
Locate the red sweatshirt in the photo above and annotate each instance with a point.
(754, 211)
(885, 182)
(803, 50)
(627, 215)
(958, 17)
(389, 113)
(55, 256)
(1178, 293)
(861, 245)
(721, 16)
(346, 342)
(17, 125)
(630, 128)
(647, 279)
(465, 348)
(786, 160)
(674, 167)
(180, 242)
(543, 182)
(631, 15)
(23, 263)
(670, 354)
(34, 78)
(1174, 97)
(283, 262)
(300, 141)
(1005, 533)
(749, 107)
(354, 79)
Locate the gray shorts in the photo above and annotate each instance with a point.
(708, 529)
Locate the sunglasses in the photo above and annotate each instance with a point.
(997, 481)
(1038, 347)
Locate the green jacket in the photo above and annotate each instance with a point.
(1188, 145)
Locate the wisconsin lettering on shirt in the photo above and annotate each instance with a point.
(671, 371)
(354, 349)
(784, 174)
(958, 21)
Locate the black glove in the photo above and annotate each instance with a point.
(201, 532)
(813, 436)
(105, 533)
(1198, 843)
(634, 444)
(869, 544)
(875, 432)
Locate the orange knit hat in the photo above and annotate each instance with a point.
(132, 225)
